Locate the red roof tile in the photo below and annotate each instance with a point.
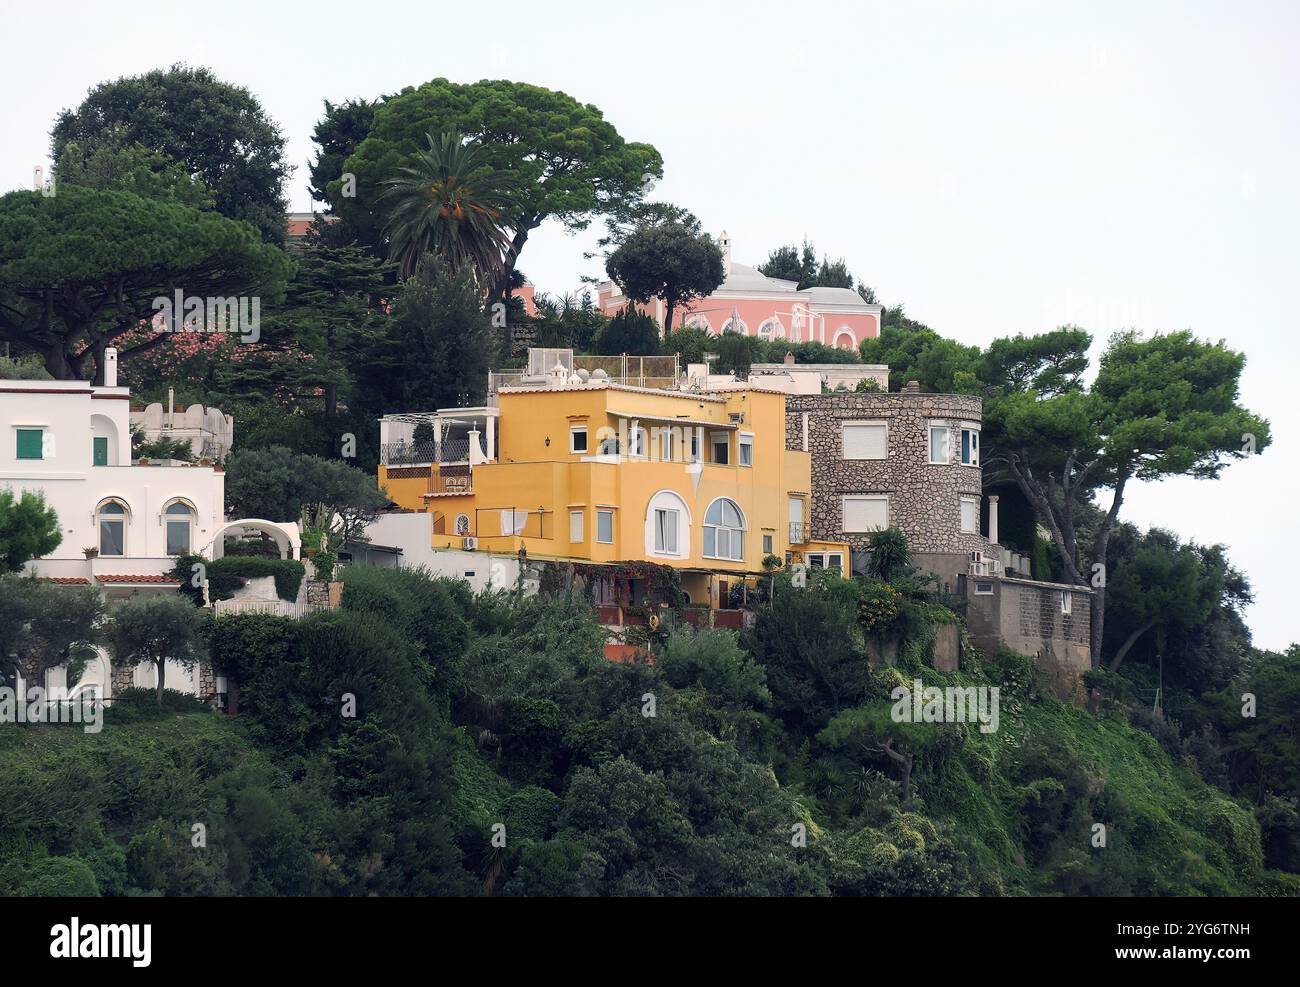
(162, 580)
(65, 580)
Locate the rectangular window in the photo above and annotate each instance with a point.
(983, 589)
(31, 443)
(666, 445)
(970, 515)
(575, 527)
(970, 447)
(695, 446)
(864, 440)
(605, 527)
(665, 531)
(939, 444)
(767, 544)
(112, 537)
(826, 560)
(866, 512)
(721, 448)
(1066, 601)
(578, 439)
(178, 537)
(745, 450)
(100, 449)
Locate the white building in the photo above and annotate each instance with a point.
(122, 524)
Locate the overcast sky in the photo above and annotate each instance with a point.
(999, 168)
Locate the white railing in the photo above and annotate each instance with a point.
(282, 608)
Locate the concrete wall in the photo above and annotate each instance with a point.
(1026, 617)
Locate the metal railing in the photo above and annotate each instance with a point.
(798, 533)
(424, 453)
(282, 608)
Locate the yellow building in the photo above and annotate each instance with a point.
(600, 472)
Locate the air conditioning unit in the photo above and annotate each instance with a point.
(737, 417)
(471, 543)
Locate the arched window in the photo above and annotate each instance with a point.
(844, 338)
(667, 526)
(178, 525)
(697, 321)
(771, 329)
(724, 531)
(736, 325)
(111, 519)
(462, 524)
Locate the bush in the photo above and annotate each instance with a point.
(61, 877)
(228, 574)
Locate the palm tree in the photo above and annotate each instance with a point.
(452, 202)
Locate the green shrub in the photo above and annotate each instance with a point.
(61, 877)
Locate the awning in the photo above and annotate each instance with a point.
(691, 422)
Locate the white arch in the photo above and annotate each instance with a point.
(285, 534)
(697, 321)
(668, 500)
(840, 333)
(735, 325)
(728, 540)
(771, 329)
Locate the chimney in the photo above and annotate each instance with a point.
(110, 367)
(993, 519)
(724, 241)
(912, 387)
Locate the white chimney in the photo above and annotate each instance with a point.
(110, 367)
(993, 519)
(724, 242)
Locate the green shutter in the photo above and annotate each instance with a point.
(101, 450)
(29, 443)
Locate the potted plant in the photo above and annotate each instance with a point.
(142, 461)
(91, 552)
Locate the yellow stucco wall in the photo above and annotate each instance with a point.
(549, 481)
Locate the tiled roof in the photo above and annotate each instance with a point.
(65, 580)
(161, 580)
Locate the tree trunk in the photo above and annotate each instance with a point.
(162, 675)
(1123, 651)
(1100, 548)
(668, 322)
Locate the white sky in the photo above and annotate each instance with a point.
(1000, 168)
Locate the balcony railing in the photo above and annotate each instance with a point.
(798, 533)
(422, 453)
(282, 608)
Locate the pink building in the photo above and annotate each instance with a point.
(756, 305)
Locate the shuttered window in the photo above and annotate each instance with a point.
(866, 513)
(865, 440)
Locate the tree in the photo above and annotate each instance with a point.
(43, 626)
(672, 261)
(111, 161)
(570, 162)
(917, 352)
(1163, 406)
(451, 202)
(276, 484)
(29, 529)
(442, 345)
(337, 136)
(156, 629)
(216, 131)
(629, 331)
(82, 268)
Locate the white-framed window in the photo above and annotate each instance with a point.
(667, 525)
(178, 527)
(639, 440)
(667, 444)
(745, 449)
(939, 444)
(983, 589)
(736, 325)
(605, 527)
(865, 512)
(724, 531)
(578, 439)
(826, 560)
(721, 443)
(970, 446)
(970, 515)
(111, 519)
(865, 440)
(1067, 601)
(666, 521)
(767, 544)
(770, 329)
(695, 447)
(576, 535)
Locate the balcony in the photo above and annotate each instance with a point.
(798, 533)
(425, 453)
